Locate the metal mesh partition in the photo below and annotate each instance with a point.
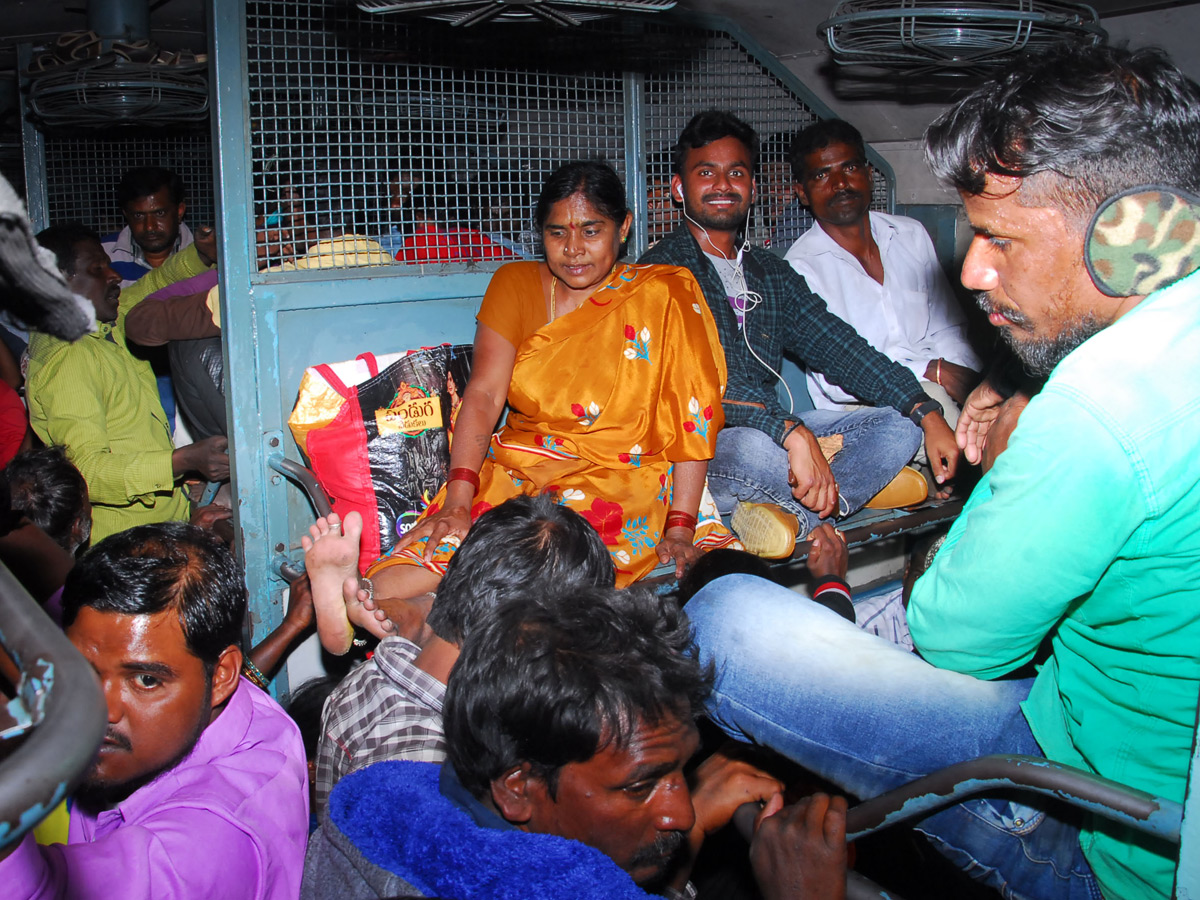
(83, 168)
(431, 141)
(434, 141)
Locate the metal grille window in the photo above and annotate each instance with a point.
(434, 141)
(82, 171)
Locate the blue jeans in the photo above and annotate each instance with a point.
(869, 716)
(749, 465)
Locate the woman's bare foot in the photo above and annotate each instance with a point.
(331, 559)
(364, 611)
(406, 617)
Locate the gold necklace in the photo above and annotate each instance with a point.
(554, 284)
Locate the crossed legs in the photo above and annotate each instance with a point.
(750, 466)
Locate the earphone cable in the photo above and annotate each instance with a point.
(749, 299)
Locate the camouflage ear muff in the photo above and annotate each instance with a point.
(1143, 239)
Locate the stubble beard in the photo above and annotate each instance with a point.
(96, 793)
(731, 220)
(669, 849)
(1041, 355)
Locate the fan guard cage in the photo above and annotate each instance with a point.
(472, 12)
(100, 94)
(948, 35)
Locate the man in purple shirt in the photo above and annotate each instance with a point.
(200, 787)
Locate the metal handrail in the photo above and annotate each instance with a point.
(1101, 796)
(58, 703)
(305, 478)
(953, 784)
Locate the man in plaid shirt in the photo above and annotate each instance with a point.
(390, 707)
(768, 455)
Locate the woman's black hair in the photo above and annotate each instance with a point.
(597, 181)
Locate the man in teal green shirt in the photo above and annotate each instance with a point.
(1084, 537)
(100, 402)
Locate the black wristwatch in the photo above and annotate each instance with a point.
(921, 410)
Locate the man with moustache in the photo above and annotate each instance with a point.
(876, 271)
(153, 202)
(200, 787)
(99, 402)
(768, 462)
(569, 721)
(1080, 548)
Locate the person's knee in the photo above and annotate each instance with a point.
(893, 434)
(721, 602)
(740, 615)
(738, 444)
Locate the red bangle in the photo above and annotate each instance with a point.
(681, 520)
(464, 474)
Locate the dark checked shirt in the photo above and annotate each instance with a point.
(790, 319)
(386, 708)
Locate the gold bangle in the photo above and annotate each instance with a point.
(937, 376)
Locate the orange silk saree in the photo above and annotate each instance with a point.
(603, 401)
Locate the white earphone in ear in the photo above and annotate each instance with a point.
(679, 194)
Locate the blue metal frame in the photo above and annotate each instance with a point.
(34, 150)
(275, 324)
(636, 186)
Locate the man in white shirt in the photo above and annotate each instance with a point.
(876, 271)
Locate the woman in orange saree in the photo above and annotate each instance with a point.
(613, 374)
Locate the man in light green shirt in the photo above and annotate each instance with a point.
(1079, 551)
(101, 403)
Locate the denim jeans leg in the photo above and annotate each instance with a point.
(748, 465)
(869, 716)
(877, 443)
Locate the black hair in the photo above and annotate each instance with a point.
(713, 125)
(818, 136)
(1094, 120)
(525, 547)
(551, 681)
(717, 564)
(146, 180)
(920, 558)
(170, 565)
(51, 492)
(63, 241)
(596, 180)
(305, 705)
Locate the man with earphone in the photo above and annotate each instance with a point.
(1079, 550)
(770, 470)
